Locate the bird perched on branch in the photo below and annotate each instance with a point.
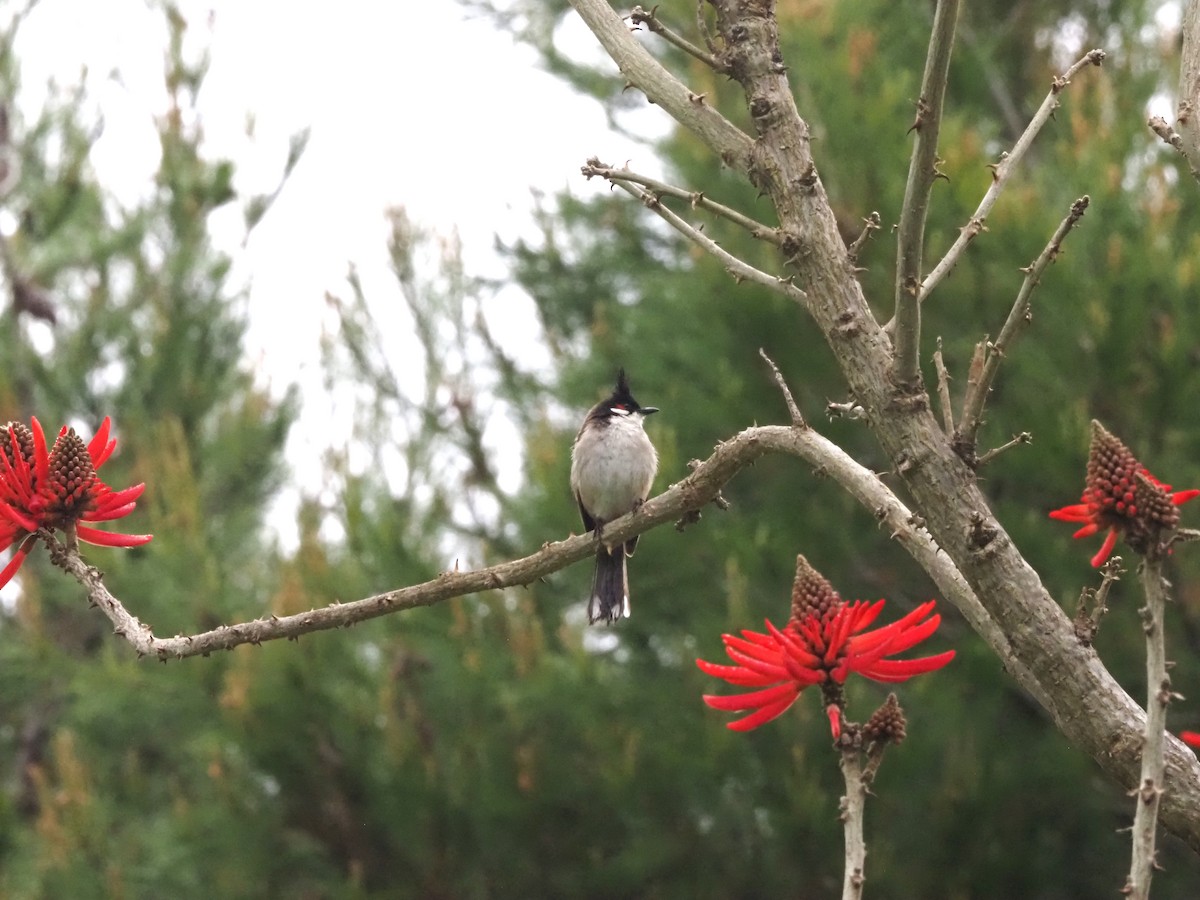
(613, 465)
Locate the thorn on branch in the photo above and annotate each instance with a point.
(922, 113)
(871, 224)
(1093, 603)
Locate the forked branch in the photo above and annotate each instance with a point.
(740, 270)
(696, 199)
(1018, 318)
(639, 16)
(1003, 170)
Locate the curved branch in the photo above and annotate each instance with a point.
(738, 268)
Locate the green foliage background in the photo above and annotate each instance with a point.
(494, 746)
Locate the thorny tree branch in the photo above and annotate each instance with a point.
(871, 224)
(639, 16)
(686, 107)
(1003, 170)
(853, 813)
(740, 270)
(1018, 318)
(1187, 115)
(695, 491)
(1149, 791)
(922, 173)
(1017, 440)
(1093, 602)
(1028, 626)
(695, 198)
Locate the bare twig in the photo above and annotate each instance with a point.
(943, 387)
(1018, 318)
(853, 812)
(741, 271)
(662, 88)
(793, 409)
(639, 16)
(922, 173)
(1003, 170)
(1163, 129)
(1158, 686)
(871, 224)
(1017, 440)
(1093, 602)
(966, 449)
(695, 198)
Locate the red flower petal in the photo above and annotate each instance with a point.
(111, 539)
(100, 448)
(752, 700)
(896, 670)
(762, 716)
(835, 719)
(738, 675)
(1106, 549)
(18, 558)
(1080, 512)
(818, 647)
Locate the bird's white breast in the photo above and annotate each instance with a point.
(613, 467)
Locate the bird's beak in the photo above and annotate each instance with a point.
(647, 410)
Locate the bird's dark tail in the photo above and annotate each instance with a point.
(610, 587)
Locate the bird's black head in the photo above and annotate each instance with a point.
(622, 400)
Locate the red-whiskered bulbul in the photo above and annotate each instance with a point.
(613, 465)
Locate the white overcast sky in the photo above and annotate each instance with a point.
(409, 104)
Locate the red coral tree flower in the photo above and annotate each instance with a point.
(1120, 496)
(58, 489)
(1192, 738)
(823, 643)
